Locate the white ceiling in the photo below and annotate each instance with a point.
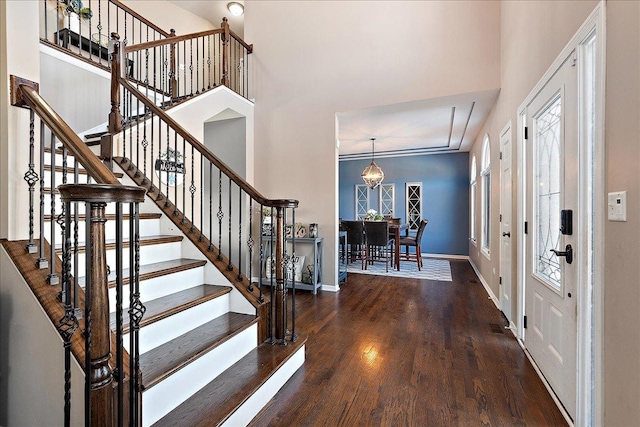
(448, 124)
(213, 11)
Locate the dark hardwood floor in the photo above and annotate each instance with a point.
(407, 352)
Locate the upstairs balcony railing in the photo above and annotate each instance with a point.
(179, 67)
(83, 27)
(168, 67)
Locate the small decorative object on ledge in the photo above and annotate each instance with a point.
(301, 230)
(313, 230)
(372, 215)
(288, 231)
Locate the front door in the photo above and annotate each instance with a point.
(552, 186)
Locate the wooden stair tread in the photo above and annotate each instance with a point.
(81, 171)
(216, 401)
(168, 305)
(144, 241)
(162, 361)
(156, 269)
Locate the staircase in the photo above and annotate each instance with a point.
(200, 356)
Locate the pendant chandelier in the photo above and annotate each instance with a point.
(372, 174)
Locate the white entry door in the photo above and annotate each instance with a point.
(505, 222)
(552, 186)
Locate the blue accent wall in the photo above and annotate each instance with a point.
(445, 195)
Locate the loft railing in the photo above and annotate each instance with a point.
(218, 210)
(179, 67)
(112, 387)
(83, 27)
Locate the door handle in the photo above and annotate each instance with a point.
(567, 253)
(506, 234)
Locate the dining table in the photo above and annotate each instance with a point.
(395, 228)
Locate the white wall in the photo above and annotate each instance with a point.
(32, 359)
(314, 59)
(23, 60)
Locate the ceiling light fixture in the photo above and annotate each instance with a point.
(373, 174)
(235, 8)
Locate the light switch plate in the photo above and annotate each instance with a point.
(617, 206)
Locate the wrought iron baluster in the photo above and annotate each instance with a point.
(197, 67)
(210, 206)
(239, 277)
(201, 237)
(184, 183)
(131, 119)
(168, 163)
(178, 167)
(184, 53)
(152, 188)
(192, 190)
(76, 301)
(294, 336)
(191, 64)
(31, 177)
(99, 26)
(42, 262)
(68, 323)
(145, 144)
(52, 278)
(209, 61)
(250, 243)
(272, 288)
(88, 290)
(136, 313)
(119, 372)
(261, 233)
(229, 265)
(158, 161)
(220, 214)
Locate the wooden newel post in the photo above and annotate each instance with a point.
(280, 302)
(226, 39)
(98, 372)
(115, 117)
(172, 65)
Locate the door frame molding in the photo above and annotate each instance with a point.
(589, 363)
(507, 129)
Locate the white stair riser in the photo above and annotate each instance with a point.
(254, 404)
(148, 227)
(172, 327)
(161, 286)
(160, 399)
(148, 254)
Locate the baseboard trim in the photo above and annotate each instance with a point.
(492, 296)
(463, 257)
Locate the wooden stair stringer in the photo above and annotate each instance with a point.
(204, 245)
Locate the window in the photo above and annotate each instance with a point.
(387, 199)
(485, 177)
(362, 201)
(472, 194)
(414, 205)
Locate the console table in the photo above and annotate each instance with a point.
(313, 256)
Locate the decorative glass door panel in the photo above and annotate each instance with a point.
(414, 205)
(548, 192)
(362, 201)
(387, 199)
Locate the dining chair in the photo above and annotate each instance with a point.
(379, 244)
(414, 241)
(356, 241)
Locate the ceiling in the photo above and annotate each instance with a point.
(437, 125)
(447, 124)
(213, 11)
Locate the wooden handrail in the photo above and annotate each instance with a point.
(94, 167)
(244, 185)
(249, 47)
(140, 17)
(170, 40)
